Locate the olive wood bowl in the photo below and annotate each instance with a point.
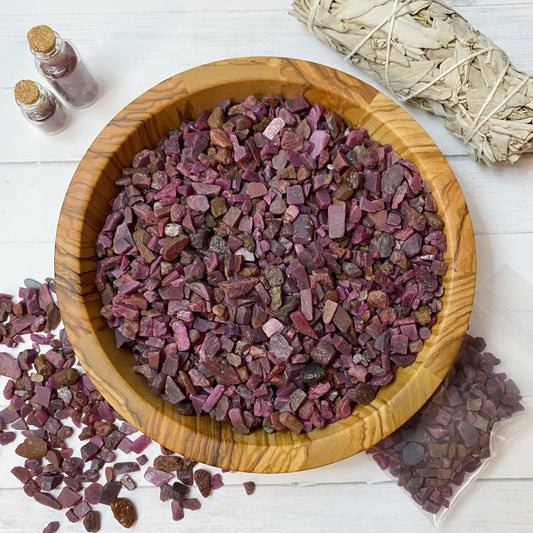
(140, 125)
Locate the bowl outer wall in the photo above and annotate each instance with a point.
(141, 124)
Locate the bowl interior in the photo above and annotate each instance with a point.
(140, 125)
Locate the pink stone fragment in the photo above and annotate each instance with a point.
(42, 395)
(125, 467)
(273, 129)
(140, 444)
(9, 366)
(198, 202)
(177, 510)
(468, 433)
(399, 343)
(306, 303)
(239, 287)
(109, 492)
(320, 140)
(337, 220)
(128, 482)
(291, 213)
(303, 229)
(256, 189)
(142, 459)
(249, 487)
(81, 509)
(68, 498)
(213, 398)
(91, 521)
(47, 499)
(216, 481)
(323, 199)
(272, 326)
(302, 325)
(193, 504)
(92, 493)
(51, 527)
(232, 216)
(31, 488)
(7, 437)
(209, 189)
(181, 334)
(125, 444)
(343, 409)
(21, 473)
(127, 429)
(157, 477)
(329, 311)
(89, 451)
(295, 195)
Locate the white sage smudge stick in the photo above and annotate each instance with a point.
(426, 53)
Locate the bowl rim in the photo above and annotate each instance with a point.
(216, 444)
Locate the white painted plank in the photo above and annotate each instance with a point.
(30, 200)
(24, 260)
(496, 251)
(165, 43)
(342, 508)
(60, 7)
(499, 197)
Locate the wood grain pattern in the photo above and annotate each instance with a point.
(141, 124)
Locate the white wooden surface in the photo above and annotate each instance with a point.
(130, 45)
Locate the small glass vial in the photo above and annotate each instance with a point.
(61, 64)
(40, 107)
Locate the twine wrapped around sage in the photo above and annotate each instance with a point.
(426, 53)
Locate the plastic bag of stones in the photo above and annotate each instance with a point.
(439, 452)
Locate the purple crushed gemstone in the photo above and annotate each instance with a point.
(140, 444)
(51, 527)
(125, 467)
(157, 477)
(109, 492)
(244, 249)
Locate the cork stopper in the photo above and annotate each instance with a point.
(26, 92)
(42, 39)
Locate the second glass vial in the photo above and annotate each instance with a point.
(61, 64)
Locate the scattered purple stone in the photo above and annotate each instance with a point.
(177, 510)
(157, 477)
(92, 521)
(43, 406)
(52, 527)
(109, 492)
(249, 487)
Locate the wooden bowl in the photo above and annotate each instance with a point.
(141, 124)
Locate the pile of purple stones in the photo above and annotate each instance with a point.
(52, 402)
(449, 438)
(270, 266)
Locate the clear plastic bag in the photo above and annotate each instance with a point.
(439, 452)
